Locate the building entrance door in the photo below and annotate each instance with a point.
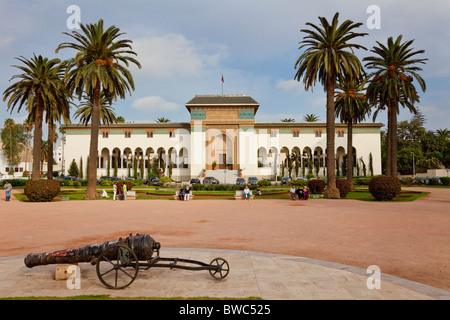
(222, 161)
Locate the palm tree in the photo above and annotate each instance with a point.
(100, 64)
(162, 120)
(38, 86)
(120, 119)
(311, 118)
(9, 125)
(287, 120)
(329, 53)
(395, 67)
(351, 107)
(84, 112)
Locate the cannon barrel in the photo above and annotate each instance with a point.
(142, 245)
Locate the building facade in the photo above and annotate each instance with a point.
(222, 140)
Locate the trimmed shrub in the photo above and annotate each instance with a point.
(316, 186)
(344, 187)
(361, 181)
(407, 181)
(384, 188)
(264, 183)
(434, 182)
(445, 181)
(42, 190)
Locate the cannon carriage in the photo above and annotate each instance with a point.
(118, 262)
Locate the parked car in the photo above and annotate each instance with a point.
(210, 180)
(70, 179)
(253, 180)
(155, 181)
(195, 181)
(285, 180)
(240, 181)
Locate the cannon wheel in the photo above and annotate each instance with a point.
(220, 270)
(112, 264)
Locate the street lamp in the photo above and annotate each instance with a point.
(414, 168)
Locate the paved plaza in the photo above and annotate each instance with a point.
(277, 249)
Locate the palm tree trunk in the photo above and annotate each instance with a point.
(91, 191)
(350, 151)
(388, 142)
(331, 192)
(393, 145)
(37, 138)
(50, 148)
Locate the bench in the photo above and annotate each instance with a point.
(131, 195)
(240, 195)
(175, 196)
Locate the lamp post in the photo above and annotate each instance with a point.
(414, 168)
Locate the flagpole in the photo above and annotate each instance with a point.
(222, 83)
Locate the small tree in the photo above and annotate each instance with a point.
(73, 169)
(370, 164)
(81, 168)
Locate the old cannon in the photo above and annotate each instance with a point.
(118, 262)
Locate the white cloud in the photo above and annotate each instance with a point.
(154, 103)
(173, 55)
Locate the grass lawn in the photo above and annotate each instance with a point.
(166, 193)
(405, 195)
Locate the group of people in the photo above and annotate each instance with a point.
(184, 193)
(301, 193)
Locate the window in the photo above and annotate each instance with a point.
(127, 134)
(295, 133)
(273, 133)
(172, 134)
(149, 134)
(105, 134)
(318, 134)
(340, 133)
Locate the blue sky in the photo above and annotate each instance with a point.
(185, 47)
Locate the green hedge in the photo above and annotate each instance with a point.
(221, 187)
(445, 181)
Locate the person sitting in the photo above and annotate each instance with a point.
(181, 194)
(299, 193)
(305, 193)
(247, 193)
(258, 192)
(186, 193)
(292, 193)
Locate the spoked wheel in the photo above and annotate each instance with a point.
(220, 270)
(117, 267)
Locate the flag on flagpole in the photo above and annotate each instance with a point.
(222, 83)
(222, 79)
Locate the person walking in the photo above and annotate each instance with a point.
(8, 188)
(186, 193)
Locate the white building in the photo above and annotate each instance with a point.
(222, 131)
